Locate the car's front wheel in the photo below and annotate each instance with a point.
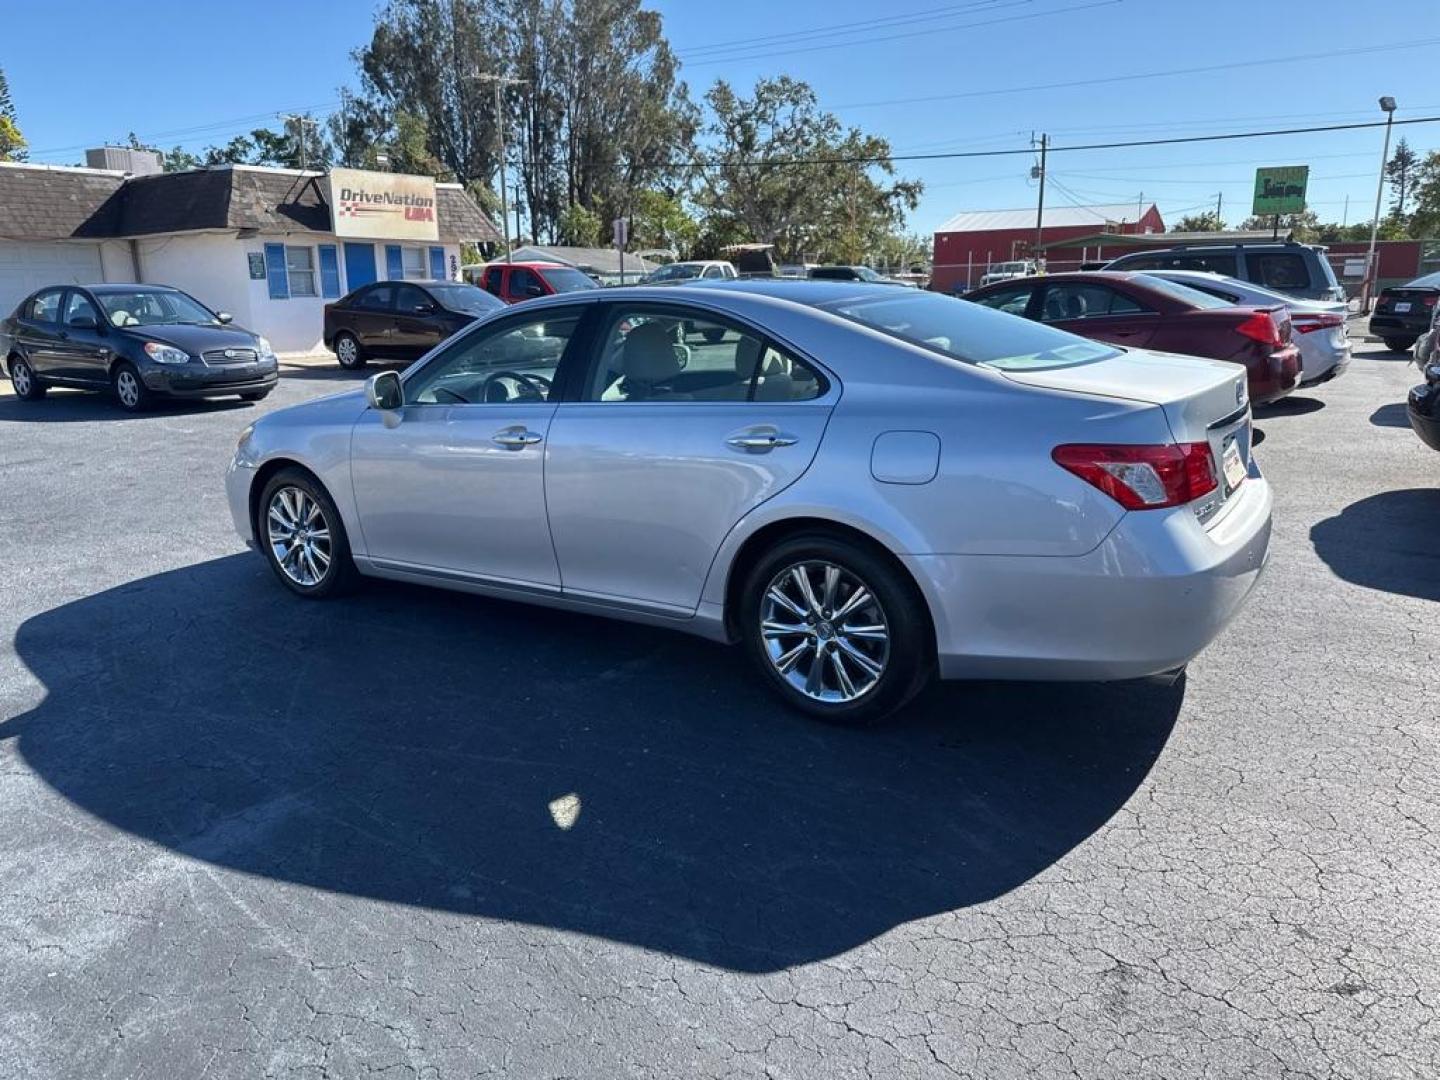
(348, 352)
(24, 381)
(837, 630)
(130, 390)
(302, 536)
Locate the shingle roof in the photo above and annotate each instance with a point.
(1055, 217)
(54, 203)
(39, 203)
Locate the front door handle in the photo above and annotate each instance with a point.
(516, 438)
(761, 441)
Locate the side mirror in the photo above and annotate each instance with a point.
(383, 391)
(223, 317)
(83, 322)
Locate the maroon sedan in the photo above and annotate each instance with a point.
(1143, 312)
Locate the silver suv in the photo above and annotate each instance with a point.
(1299, 270)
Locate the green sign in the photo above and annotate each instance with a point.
(1280, 190)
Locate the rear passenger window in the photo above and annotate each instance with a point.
(1076, 300)
(1013, 300)
(1278, 270)
(380, 298)
(45, 307)
(659, 355)
(1215, 263)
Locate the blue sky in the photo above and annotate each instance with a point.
(929, 75)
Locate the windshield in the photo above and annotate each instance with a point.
(564, 279)
(970, 332)
(1173, 289)
(151, 308)
(465, 298)
(674, 272)
(866, 274)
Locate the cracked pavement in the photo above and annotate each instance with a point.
(421, 835)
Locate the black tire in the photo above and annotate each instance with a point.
(339, 574)
(713, 335)
(131, 393)
(26, 383)
(258, 395)
(348, 351)
(907, 662)
(1399, 344)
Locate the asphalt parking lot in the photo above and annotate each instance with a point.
(417, 834)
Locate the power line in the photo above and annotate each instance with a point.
(809, 34)
(1268, 61)
(213, 128)
(908, 34)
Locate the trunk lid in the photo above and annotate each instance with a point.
(1203, 400)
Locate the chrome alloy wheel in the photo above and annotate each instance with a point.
(20, 377)
(346, 351)
(299, 535)
(824, 631)
(127, 388)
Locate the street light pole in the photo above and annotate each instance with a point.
(500, 82)
(1388, 105)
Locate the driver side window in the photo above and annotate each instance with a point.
(512, 362)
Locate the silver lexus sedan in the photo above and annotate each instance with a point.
(862, 485)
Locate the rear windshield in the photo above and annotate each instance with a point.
(1173, 289)
(969, 332)
(564, 279)
(465, 298)
(1431, 281)
(675, 272)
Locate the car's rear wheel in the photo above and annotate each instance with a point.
(23, 380)
(130, 390)
(348, 351)
(837, 630)
(1399, 344)
(302, 536)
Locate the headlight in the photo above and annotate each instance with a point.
(166, 354)
(244, 437)
(267, 351)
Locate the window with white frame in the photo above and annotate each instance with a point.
(300, 266)
(413, 260)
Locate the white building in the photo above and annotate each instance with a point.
(259, 243)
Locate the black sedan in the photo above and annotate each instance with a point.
(140, 341)
(1403, 312)
(401, 319)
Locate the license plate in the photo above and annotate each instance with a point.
(1401, 307)
(1232, 464)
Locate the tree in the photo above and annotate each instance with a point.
(1206, 222)
(264, 146)
(1400, 175)
(12, 142)
(660, 220)
(786, 172)
(1425, 219)
(1304, 224)
(580, 227)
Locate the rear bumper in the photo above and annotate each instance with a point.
(1335, 370)
(1154, 594)
(1423, 407)
(1275, 376)
(1400, 326)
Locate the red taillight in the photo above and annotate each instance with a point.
(1429, 301)
(1308, 324)
(1143, 477)
(1262, 328)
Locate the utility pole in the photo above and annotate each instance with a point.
(1219, 202)
(518, 235)
(300, 123)
(500, 82)
(1387, 104)
(1040, 205)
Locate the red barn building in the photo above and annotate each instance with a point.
(970, 241)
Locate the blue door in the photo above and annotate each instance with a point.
(359, 265)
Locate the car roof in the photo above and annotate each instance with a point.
(116, 287)
(807, 291)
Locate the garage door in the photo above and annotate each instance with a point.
(26, 266)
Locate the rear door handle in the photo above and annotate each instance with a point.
(516, 438)
(761, 441)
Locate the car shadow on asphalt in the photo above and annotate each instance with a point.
(336, 374)
(1389, 541)
(1290, 406)
(81, 407)
(1391, 415)
(514, 763)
